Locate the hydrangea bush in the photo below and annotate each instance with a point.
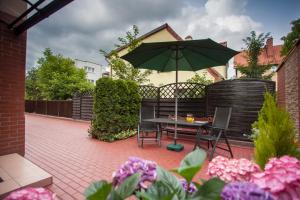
(146, 169)
(146, 180)
(32, 194)
(244, 191)
(281, 177)
(230, 170)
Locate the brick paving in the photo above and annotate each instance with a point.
(62, 148)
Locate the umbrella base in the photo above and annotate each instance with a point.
(175, 147)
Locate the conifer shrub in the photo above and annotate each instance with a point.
(115, 110)
(274, 132)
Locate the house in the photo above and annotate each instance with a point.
(270, 54)
(166, 33)
(94, 71)
(288, 79)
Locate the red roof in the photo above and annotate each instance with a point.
(270, 55)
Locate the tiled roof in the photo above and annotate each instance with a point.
(269, 55)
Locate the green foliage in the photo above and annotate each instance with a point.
(210, 189)
(58, 78)
(191, 164)
(170, 181)
(128, 186)
(166, 187)
(158, 190)
(254, 45)
(55, 78)
(291, 37)
(275, 133)
(200, 78)
(124, 70)
(33, 91)
(113, 137)
(116, 109)
(98, 190)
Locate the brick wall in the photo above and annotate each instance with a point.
(12, 83)
(288, 84)
(281, 87)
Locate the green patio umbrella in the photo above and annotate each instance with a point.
(188, 55)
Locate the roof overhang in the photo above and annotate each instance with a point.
(35, 13)
(288, 55)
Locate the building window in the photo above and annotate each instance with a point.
(89, 69)
(91, 81)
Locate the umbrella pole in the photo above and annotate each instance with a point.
(175, 146)
(176, 97)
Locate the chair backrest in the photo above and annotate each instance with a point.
(222, 117)
(147, 112)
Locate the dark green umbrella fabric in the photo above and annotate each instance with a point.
(192, 55)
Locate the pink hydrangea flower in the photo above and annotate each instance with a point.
(31, 194)
(281, 177)
(230, 170)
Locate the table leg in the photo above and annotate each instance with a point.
(197, 142)
(158, 136)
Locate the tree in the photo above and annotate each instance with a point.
(124, 70)
(58, 78)
(274, 133)
(291, 37)
(33, 91)
(200, 78)
(254, 45)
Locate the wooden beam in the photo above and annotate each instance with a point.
(45, 12)
(24, 14)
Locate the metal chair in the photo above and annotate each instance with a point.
(146, 129)
(217, 131)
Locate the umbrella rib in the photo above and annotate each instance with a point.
(165, 65)
(189, 62)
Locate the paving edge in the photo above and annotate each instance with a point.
(56, 117)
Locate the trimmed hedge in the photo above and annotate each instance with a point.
(116, 108)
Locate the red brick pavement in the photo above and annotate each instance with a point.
(62, 148)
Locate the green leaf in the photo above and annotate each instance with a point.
(129, 186)
(210, 190)
(114, 196)
(158, 190)
(191, 164)
(98, 190)
(171, 181)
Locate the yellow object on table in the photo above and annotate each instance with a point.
(189, 118)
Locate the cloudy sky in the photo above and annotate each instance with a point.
(83, 27)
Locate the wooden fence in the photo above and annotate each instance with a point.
(83, 106)
(245, 96)
(58, 108)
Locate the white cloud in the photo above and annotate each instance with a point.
(80, 29)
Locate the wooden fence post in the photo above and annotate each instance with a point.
(158, 101)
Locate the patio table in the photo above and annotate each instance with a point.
(197, 124)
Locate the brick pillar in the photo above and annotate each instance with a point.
(12, 87)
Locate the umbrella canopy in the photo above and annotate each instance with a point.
(188, 55)
(192, 55)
